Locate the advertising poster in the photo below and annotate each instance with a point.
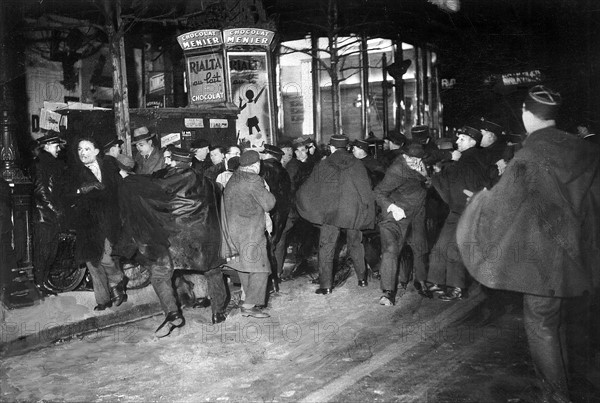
(206, 78)
(248, 73)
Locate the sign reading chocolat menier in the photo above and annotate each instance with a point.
(203, 38)
(248, 37)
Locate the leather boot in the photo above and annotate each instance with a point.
(117, 293)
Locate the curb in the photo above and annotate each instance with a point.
(51, 335)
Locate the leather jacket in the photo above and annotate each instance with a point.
(48, 176)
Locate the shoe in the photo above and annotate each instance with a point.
(362, 283)
(172, 321)
(436, 289)
(255, 312)
(323, 291)
(403, 285)
(117, 293)
(388, 298)
(218, 317)
(101, 307)
(452, 295)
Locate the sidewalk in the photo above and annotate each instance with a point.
(67, 315)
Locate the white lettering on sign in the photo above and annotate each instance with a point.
(523, 77)
(200, 39)
(193, 123)
(170, 138)
(219, 124)
(207, 97)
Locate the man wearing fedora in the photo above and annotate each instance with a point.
(48, 176)
(401, 197)
(466, 173)
(149, 158)
(543, 219)
(337, 195)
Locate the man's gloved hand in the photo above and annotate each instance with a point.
(397, 212)
(89, 186)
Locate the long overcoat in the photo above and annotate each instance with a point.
(279, 183)
(245, 202)
(95, 215)
(536, 230)
(338, 193)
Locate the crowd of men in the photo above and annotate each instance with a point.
(165, 207)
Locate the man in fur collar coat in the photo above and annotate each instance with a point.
(94, 191)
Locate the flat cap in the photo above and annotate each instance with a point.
(199, 143)
(249, 157)
(363, 144)
(472, 132)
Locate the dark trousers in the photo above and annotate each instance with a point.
(327, 242)
(255, 287)
(417, 239)
(545, 324)
(445, 263)
(217, 290)
(281, 247)
(45, 247)
(105, 275)
(393, 235)
(161, 273)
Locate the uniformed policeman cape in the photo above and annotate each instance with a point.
(536, 231)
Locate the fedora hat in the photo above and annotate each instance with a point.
(142, 133)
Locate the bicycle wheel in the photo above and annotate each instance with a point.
(65, 274)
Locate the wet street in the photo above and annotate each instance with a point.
(342, 347)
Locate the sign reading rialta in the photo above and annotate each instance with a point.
(206, 80)
(248, 37)
(203, 38)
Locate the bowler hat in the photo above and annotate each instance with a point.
(51, 137)
(181, 155)
(113, 142)
(300, 141)
(471, 132)
(274, 150)
(249, 157)
(142, 133)
(339, 141)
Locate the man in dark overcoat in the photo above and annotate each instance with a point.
(467, 172)
(93, 190)
(536, 232)
(375, 168)
(401, 197)
(48, 176)
(279, 184)
(337, 195)
(246, 201)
